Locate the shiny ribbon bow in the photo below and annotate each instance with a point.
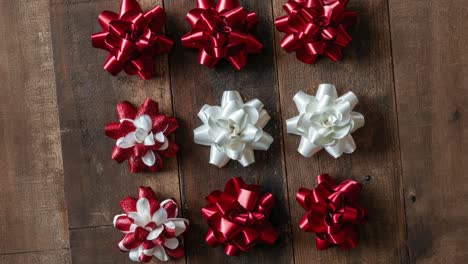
(325, 121)
(151, 228)
(142, 136)
(316, 27)
(132, 39)
(332, 212)
(233, 130)
(221, 30)
(238, 217)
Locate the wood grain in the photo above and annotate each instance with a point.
(87, 98)
(59, 189)
(367, 71)
(50, 257)
(32, 211)
(194, 85)
(431, 69)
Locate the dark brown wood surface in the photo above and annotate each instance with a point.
(59, 189)
(431, 87)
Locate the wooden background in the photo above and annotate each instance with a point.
(59, 189)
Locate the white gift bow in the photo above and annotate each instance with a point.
(325, 121)
(233, 130)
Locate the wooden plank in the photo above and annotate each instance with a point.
(61, 256)
(194, 85)
(32, 211)
(431, 69)
(85, 250)
(366, 70)
(87, 98)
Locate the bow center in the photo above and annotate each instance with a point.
(225, 29)
(223, 26)
(143, 125)
(329, 122)
(143, 134)
(242, 217)
(321, 21)
(150, 226)
(134, 35)
(234, 130)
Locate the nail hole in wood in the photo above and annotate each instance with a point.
(455, 115)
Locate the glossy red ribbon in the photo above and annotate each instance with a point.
(132, 39)
(222, 31)
(333, 212)
(238, 217)
(316, 27)
(160, 123)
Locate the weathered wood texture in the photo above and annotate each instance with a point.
(32, 208)
(431, 68)
(193, 86)
(50, 257)
(59, 189)
(366, 69)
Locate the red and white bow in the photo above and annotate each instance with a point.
(151, 228)
(142, 136)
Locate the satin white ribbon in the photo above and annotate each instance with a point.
(143, 135)
(325, 121)
(233, 130)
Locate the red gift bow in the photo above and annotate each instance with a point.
(332, 212)
(220, 31)
(316, 27)
(238, 217)
(160, 123)
(132, 39)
